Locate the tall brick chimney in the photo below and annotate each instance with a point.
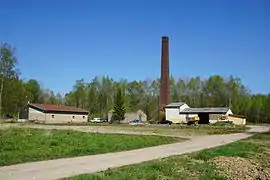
(164, 92)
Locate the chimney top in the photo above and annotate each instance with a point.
(165, 38)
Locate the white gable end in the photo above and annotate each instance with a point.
(172, 113)
(184, 106)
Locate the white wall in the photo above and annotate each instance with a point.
(192, 115)
(187, 115)
(36, 115)
(172, 114)
(184, 106)
(229, 112)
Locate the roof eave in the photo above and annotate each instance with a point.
(57, 111)
(66, 112)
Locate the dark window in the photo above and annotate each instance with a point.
(73, 117)
(52, 116)
(83, 117)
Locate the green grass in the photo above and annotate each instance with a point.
(175, 129)
(190, 166)
(19, 145)
(175, 168)
(202, 129)
(247, 148)
(239, 149)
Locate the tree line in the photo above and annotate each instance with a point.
(98, 95)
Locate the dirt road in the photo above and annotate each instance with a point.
(55, 169)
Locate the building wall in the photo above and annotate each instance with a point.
(172, 114)
(237, 120)
(109, 116)
(65, 118)
(39, 116)
(229, 112)
(130, 117)
(141, 115)
(192, 115)
(35, 115)
(213, 118)
(184, 106)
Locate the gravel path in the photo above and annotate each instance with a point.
(55, 169)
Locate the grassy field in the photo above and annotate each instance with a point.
(19, 145)
(190, 130)
(161, 129)
(245, 159)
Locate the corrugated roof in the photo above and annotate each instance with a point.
(175, 104)
(55, 108)
(205, 110)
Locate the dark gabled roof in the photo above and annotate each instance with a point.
(205, 110)
(176, 104)
(57, 108)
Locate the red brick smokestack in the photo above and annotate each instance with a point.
(164, 92)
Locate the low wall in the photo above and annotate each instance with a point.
(237, 120)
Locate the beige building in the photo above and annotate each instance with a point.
(131, 116)
(46, 113)
(234, 118)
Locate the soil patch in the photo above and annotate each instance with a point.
(238, 168)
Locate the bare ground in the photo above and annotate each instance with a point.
(238, 168)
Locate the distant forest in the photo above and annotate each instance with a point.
(97, 95)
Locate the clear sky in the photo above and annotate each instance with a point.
(59, 42)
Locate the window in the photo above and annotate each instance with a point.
(83, 117)
(73, 117)
(52, 116)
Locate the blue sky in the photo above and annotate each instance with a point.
(60, 42)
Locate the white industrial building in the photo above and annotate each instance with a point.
(178, 112)
(173, 110)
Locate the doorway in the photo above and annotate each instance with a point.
(204, 118)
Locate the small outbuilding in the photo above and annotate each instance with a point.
(206, 114)
(48, 113)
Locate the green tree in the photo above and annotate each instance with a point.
(8, 63)
(102, 94)
(119, 108)
(34, 93)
